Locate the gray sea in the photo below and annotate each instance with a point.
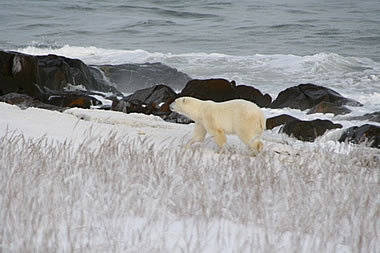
(271, 44)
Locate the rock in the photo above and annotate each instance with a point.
(308, 130)
(19, 73)
(375, 117)
(131, 77)
(327, 107)
(102, 80)
(218, 90)
(365, 133)
(177, 118)
(155, 100)
(72, 99)
(156, 94)
(24, 101)
(279, 120)
(134, 106)
(37, 76)
(254, 95)
(57, 71)
(305, 96)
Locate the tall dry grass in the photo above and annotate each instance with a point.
(127, 195)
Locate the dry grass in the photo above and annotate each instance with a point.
(130, 196)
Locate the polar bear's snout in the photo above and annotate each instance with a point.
(171, 106)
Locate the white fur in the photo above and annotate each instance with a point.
(238, 116)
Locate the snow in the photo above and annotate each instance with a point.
(106, 181)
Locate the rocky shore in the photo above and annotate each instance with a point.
(56, 83)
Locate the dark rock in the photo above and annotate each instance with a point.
(365, 133)
(254, 95)
(103, 81)
(131, 77)
(308, 130)
(218, 90)
(134, 106)
(37, 76)
(71, 99)
(327, 107)
(305, 96)
(56, 72)
(155, 99)
(156, 94)
(375, 117)
(24, 101)
(19, 73)
(177, 118)
(279, 120)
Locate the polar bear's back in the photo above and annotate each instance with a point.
(232, 113)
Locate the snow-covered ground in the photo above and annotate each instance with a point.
(104, 181)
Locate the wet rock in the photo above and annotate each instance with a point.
(254, 95)
(103, 81)
(37, 76)
(24, 101)
(308, 130)
(327, 107)
(57, 71)
(305, 96)
(131, 77)
(375, 117)
(152, 100)
(156, 94)
(71, 99)
(279, 120)
(218, 90)
(365, 133)
(134, 106)
(19, 73)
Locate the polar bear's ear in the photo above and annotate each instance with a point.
(184, 100)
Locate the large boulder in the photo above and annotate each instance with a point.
(57, 71)
(254, 95)
(365, 133)
(131, 77)
(19, 73)
(327, 107)
(218, 90)
(279, 120)
(155, 99)
(156, 94)
(308, 130)
(305, 96)
(40, 76)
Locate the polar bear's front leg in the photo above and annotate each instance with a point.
(198, 134)
(219, 136)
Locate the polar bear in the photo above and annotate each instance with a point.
(237, 116)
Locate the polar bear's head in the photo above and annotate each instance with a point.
(182, 105)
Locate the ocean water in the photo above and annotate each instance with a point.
(271, 44)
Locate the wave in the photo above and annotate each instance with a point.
(317, 62)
